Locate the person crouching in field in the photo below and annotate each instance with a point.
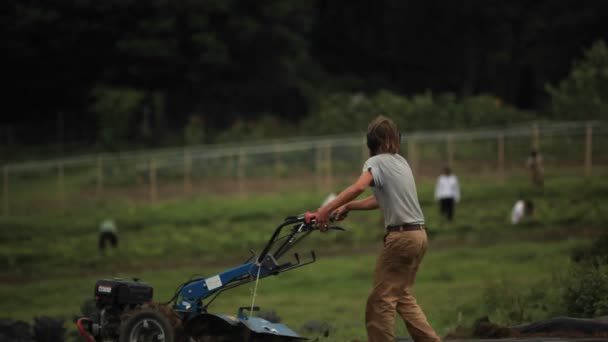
(405, 242)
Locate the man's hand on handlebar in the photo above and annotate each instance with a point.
(311, 220)
(340, 213)
(323, 219)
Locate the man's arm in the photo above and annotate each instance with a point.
(349, 194)
(367, 203)
(364, 204)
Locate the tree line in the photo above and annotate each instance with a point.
(159, 71)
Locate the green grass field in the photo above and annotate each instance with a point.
(333, 290)
(49, 263)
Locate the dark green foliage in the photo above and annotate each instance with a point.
(584, 94)
(510, 304)
(582, 291)
(349, 112)
(115, 109)
(233, 62)
(587, 292)
(595, 255)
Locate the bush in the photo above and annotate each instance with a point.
(509, 304)
(348, 112)
(194, 131)
(595, 255)
(114, 108)
(584, 94)
(587, 292)
(265, 127)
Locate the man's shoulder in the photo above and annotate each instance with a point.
(378, 158)
(386, 160)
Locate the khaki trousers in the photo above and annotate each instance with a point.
(394, 276)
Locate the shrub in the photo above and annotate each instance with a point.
(584, 94)
(510, 304)
(586, 294)
(348, 112)
(595, 255)
(114, 107)
(194, 131)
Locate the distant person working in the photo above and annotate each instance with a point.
(535, 167)
(108, 234)
(447, 192)
(521, 209)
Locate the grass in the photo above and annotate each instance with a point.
(49, 262)
(333, 290)
(211, 228)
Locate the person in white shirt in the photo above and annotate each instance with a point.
(521, 209)
(447, 192)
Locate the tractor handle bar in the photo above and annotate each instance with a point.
(308, 221)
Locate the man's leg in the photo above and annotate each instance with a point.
(407, 307)
(415, 320)
(380, 309)
(389, 282)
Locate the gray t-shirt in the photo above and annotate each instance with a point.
(394, 189)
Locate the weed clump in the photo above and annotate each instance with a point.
(586, 292)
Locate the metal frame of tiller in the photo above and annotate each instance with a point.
(188, 299)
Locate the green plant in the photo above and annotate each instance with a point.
(194, 132)
(510, 303)
(350, 112)
(594, 255)
(586, 294)
(115, 108)
(584, 94)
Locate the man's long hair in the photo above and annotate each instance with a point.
(383, 136)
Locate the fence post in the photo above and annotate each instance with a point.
(535, 137)
(153, 185)
(241, 171)
(318, 164)
(364, 152)
(60, 186)
(411, 154)
(187, 171)
(328, 166)
(99, 173)
(5, 190)
(450, 150)
(588, 148)
(501, 156)
(276, 148)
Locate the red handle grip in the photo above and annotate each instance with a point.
(309, 217)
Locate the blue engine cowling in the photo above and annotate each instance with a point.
(239, 327)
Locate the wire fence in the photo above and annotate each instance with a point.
(284, 165)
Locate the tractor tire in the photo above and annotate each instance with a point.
(146, 325)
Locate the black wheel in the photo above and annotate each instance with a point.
(146, 325)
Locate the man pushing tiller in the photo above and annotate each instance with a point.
(405, 242)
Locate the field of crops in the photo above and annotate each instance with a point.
(49, 263)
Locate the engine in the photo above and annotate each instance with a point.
(114, 298)
(118, 293)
